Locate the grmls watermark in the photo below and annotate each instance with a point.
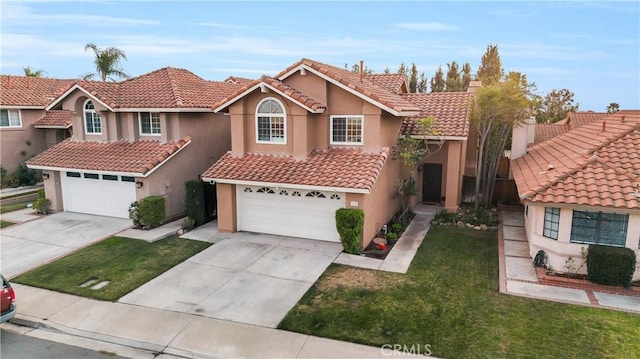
(399, 350)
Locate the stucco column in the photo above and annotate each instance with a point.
(453, 176)
(227, 214)
(299, 138)
(53, 190)
(237, 129)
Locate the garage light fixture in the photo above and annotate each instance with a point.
(139, 184)
(45, 176)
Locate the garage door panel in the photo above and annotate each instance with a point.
(305, 217)
(97, 196)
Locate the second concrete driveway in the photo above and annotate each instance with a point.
(31, 244)
(248, 278)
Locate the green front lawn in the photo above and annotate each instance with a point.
(6, 224)
(449, 300)
(14, 207)
(127, 263)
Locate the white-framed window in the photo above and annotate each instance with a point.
(10, 118)
(92, 125)
(271, 121)
(551, 222)
(149, 123)
(347, 130)
(609, 229)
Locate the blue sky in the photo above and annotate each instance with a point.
(591, 48)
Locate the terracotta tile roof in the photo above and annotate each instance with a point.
(137, 157)
(30, 91)
(581, 118)
(352, 81)
(164, 88)
(396, 83)
(451, 111)
(238, 80)
(55, 119)
(336, 167)
(279, 86)
(585, 166)
(545, 131)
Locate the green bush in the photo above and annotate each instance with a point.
(41, 194)
(349, 222)
(392, 235)
(41, 205)
(396, 227)
(188, 223)
(148, 212)
(445, 216)
(610, 265)
(194, 202)
(24, 176)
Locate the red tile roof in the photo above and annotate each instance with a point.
(55, 119)
(336, 167)
(164, 88)
(581, 118)
(396, 83)
(545, 131)
(376, 94)
(451, 111)
(30, 91)
(138, 157)
(238, 80)
(286, 90)
(585, 166)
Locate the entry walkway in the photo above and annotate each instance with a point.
(519, 277)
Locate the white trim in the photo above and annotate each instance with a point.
(150, 127)
(69, 91)
(349, 89)
(260, 85)
(129, 174)
(346, 117)
(53, 126)
(84, 119)
(284, 122)
(9, 117)
(446, 138)
(19, 107)
(286, 185)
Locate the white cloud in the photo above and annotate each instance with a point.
(426, 26)
(19, 15)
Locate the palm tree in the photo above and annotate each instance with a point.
(613, 107)
(107, 62)
(29, 72)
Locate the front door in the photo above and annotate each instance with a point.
(431, 182)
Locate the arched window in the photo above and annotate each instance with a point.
(271, 122)
(91, 119)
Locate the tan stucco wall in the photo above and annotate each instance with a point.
(14, 140)
(559, 250)
(226, 196)
(382, 203)
(53, 190)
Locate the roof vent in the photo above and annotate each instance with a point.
(622, 119)
(604, 126)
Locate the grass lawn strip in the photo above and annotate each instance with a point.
(449, 300)
(6, 224)
(127, 263)
(14, 207)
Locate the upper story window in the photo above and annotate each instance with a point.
(10, 118)
(149, 123)
(346, 130)
(608, 229)
(271, 122)
(92, 124)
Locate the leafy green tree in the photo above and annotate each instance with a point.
(107, 62)
(497, 108)
(454, 81)
(413, 78)
(555, 106)
(437, 81)
(466, 76)
(490, 71)
(613, 107)
(29, 72)
(422, 84)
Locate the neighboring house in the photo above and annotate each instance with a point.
(582, 187)
(25, 128)
(316, 138)
(143, 136)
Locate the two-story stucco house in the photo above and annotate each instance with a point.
(25, 128)
(143, 136)
(316, 138)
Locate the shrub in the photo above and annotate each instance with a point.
(349, 222)
(392, 235)
(396, 227)
(152, 211)
(610, 265)
(445, 216)
(188, 223)
(41, 205)
(194, 202)
(41, 193)
(24, 175)
(134, 214)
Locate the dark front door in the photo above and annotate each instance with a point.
(431, 182)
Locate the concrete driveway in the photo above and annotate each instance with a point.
(31, 244)
(247, 278)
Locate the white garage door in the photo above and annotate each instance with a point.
(289, 212)
(101, 194)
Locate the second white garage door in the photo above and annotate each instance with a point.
(289, 212)
(101, 194)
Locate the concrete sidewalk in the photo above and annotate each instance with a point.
(518, 276)
(166, 333)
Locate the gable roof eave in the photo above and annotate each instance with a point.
(76, 86)
(272, 88)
